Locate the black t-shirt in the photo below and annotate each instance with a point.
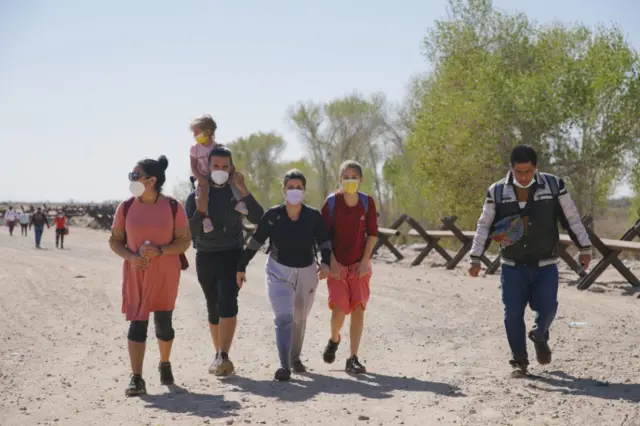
(292, 243)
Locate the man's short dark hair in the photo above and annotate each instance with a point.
(524, 154)
(221, 151)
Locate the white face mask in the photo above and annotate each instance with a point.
(219, 177)
(294, 196)
(519, 185)
(136, 188)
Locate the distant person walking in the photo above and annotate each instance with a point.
(219, 251)
(24, 223)
(528, 253)
(10, 217)
(61, 229)
(291, 273)
(150, 232)
(38, 221)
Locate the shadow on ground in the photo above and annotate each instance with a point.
(566, 384)
(308, 385)
(182, 401)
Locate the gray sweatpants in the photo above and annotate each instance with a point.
(291, 292)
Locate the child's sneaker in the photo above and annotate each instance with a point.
(241, 207)
(353, 366)
(207, 226)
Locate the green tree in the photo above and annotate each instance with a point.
(500, 79)
(258, 156)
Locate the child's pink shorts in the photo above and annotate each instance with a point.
(350, 290)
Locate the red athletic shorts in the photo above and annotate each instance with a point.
(349, 290)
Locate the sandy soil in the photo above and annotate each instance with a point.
(434, 343)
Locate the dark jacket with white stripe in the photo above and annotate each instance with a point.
(539, 245)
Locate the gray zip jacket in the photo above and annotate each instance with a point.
(549, 203)
(227, 231)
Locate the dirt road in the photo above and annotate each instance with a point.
(434, 343)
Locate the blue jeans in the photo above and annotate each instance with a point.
(533, 286)
(37, 230)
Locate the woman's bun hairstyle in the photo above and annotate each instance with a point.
(163, 162)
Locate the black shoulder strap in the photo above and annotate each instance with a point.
(553, 185)
(174, 210)
(497, 193)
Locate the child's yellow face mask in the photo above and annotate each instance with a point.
(350, 186)
(202, 138)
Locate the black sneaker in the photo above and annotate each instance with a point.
(166, 375)
(282, 375)
(353, 366)
(329, 354)
(298, 367)
(136, 387)
(520, 368)
(543, 351)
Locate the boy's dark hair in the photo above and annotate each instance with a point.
(156, 169)
(523, 154)
(221, 151)
(294, 174)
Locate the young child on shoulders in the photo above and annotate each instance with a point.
(204, 129)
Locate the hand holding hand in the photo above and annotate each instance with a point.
(323, 271)
(334, 271)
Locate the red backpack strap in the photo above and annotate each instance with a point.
(174, 208)
(126, 206)
(125, 209)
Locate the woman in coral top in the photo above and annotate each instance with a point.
(150, 232)
(61, 229)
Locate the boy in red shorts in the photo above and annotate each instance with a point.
(352, 222)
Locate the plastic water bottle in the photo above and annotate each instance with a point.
(574, 324)
(145, 243)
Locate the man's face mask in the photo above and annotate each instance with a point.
(519, 185)
(525, 172)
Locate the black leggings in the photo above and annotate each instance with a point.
(60, 237)
(217, 276)
(163, 323)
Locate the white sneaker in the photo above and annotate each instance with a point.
(224, 368)
(214, 365)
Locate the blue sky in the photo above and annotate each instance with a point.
(87, 88)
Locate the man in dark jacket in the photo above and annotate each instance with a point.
(38, 221)
(218, 251)
(522, 212)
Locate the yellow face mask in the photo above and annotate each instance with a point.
(202, 138)
(350, 186)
